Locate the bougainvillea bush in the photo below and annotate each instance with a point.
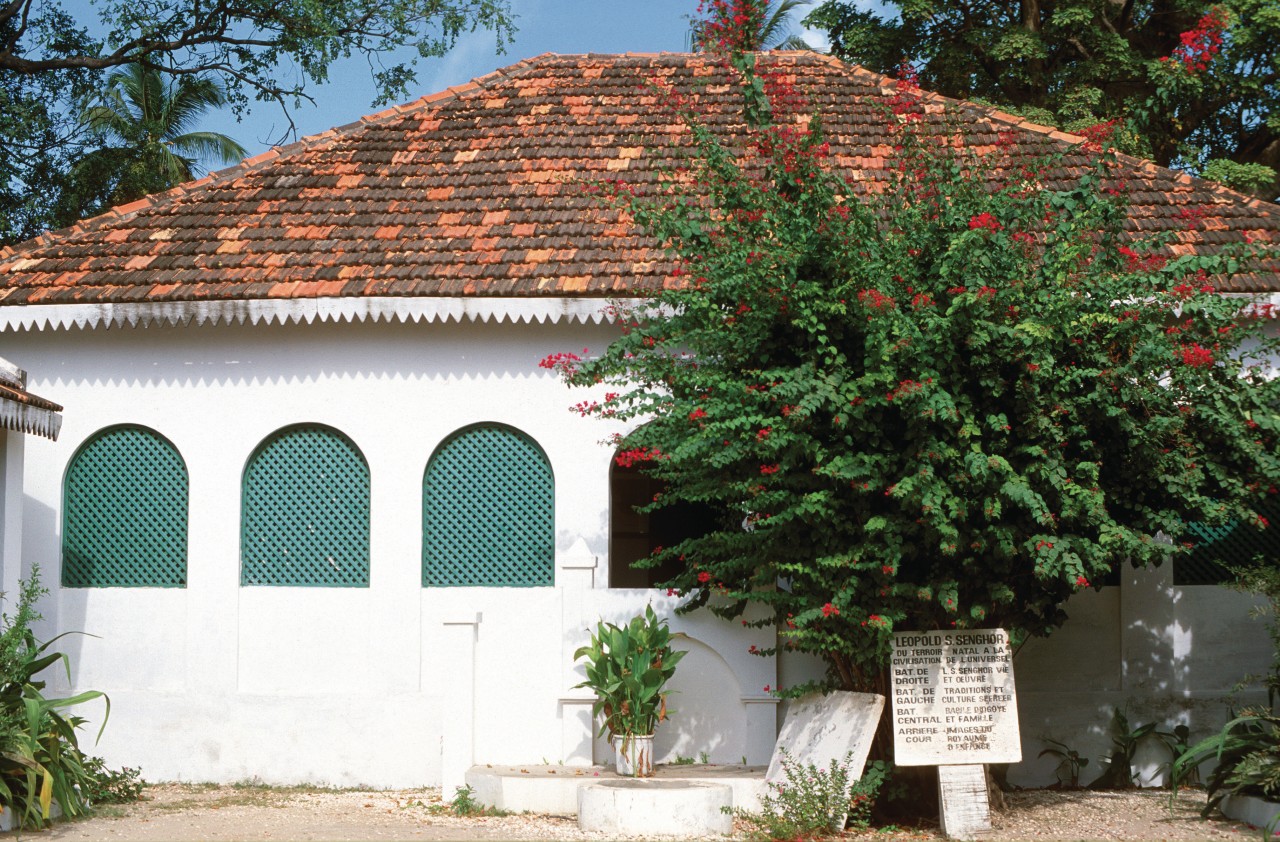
(950, 402)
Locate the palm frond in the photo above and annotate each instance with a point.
(777, 26)
(209, 146)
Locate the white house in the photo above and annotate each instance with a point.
(329, 520)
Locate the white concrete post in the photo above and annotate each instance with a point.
(11, 469)
(762, 728)
(576, 579)
(458, 725)
(963, 801)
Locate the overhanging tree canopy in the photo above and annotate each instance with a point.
(950, 401)
(1191, 81)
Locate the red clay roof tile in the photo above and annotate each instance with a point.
(478, 191)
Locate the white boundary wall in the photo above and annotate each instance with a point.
(396, 685)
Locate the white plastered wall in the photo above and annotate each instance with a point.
(349, 685)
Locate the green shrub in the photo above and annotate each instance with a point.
(108, 786)
(40, 759)
(815, 801)
(1247, 754)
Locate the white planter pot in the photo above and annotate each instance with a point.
(633, 755)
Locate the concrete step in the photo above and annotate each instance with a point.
(553, 790)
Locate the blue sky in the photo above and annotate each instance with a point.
(558, 26)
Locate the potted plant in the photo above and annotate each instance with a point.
(627, 668)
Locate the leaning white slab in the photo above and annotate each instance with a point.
(821, 728)
(648, 807)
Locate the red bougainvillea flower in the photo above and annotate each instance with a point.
(1200, 45)
(1098, 134)
(704, 577)
(984, 221)
(627, 458)
(697, 413)
(1195, 356)
(1082, 582)
(874, 299)
(830, 610)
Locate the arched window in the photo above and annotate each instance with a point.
(125, 512)
(305, 513)
(488, 511)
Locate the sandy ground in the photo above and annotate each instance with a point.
(188, 813)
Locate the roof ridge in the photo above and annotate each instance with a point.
(303, 144)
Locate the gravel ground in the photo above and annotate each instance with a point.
(190, 813)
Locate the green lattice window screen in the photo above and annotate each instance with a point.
(488, 511)
(1236, 544)
(125, 513)
(305, 515)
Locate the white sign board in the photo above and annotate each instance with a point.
(953, 698)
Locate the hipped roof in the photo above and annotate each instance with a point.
(478, 191)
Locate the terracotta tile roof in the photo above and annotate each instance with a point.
(473, 191)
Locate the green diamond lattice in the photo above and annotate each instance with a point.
(125, 513)
(1235, 543)
(305, 518)
(488, 511)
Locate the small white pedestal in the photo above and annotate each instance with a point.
(644, 807)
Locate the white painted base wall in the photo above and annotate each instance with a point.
(1163, 653)
(396, 685)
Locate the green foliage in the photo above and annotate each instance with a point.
(1069, 762)
(148, 119)
(1247, 756)
(110, 786)
(40, 759)
(627, 668)
(814, 802)
(1187, 82)
(1117, 768)
(1245, 177)
(953, 402)
(464, 803)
